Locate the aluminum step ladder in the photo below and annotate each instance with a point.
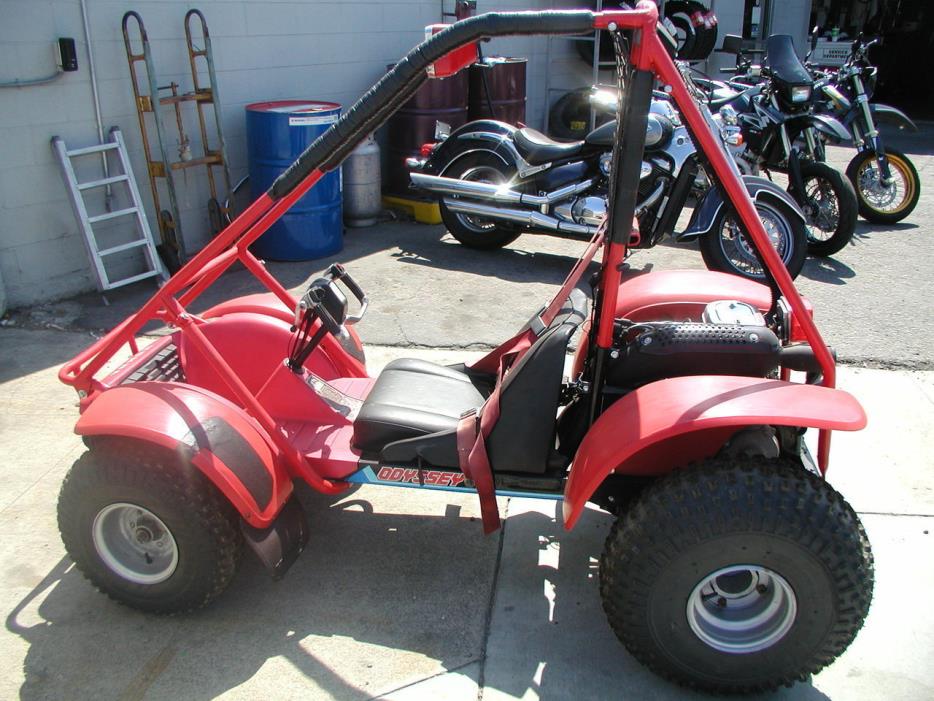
(143, 236)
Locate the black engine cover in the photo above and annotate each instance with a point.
(674, 349)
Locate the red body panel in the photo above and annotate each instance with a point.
(270, 305)
(635, 436)
(166, 413)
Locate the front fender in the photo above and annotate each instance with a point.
(705, 214)
(674, 422)
(208, 430)
(892, 115)
(831, 127)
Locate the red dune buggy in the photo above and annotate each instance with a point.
(732, 565)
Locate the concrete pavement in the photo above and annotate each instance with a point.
(399, 594)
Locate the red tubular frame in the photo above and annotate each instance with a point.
(231, 244)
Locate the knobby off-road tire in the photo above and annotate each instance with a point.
(863, 172)
(829, 200)
(476, 232)
(120, 499)
(802, 548)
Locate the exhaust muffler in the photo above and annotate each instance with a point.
(529, 218)
(495, 193)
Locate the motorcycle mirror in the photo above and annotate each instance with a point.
(732, 44)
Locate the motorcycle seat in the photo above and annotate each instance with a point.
(536, 148)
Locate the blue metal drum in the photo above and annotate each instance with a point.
(277, 133)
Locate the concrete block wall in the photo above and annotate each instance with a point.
(263, 50)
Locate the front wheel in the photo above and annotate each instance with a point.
(147, 528)
(473, 231)
(737, 575)
(878, 203)
(829, 204)
(727, 248)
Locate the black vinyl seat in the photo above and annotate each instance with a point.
(414, 398)
(537, 148)
(413, 409)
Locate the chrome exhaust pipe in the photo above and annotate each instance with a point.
(495, 193)
(529, 218)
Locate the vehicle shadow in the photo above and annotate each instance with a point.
(371, 589)
(829, 270)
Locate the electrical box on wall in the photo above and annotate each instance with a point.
(66, 57)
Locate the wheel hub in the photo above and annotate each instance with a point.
(134, 543)
(741, 609)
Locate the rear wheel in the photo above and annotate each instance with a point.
(737, 575)
(878, 203)
(728, 249)
(829, 204)
(148, 529)
(474, 231)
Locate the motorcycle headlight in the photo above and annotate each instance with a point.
(728, 115)
(801, 93)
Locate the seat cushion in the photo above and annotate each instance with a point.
(413, 398)
(537, 148)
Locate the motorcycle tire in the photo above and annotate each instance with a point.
(475, 232)
(727, 249)
(863, 175)
(826, 187)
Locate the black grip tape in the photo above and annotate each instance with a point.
(389, 94)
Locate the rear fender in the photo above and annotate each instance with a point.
(204, 429)
(486, 135)
(891, 115)
(706, 213)
(674, 422)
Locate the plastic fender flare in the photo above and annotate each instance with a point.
(673, 422)
(213, 433)
(709, 208)
(893, 115)
(825, 124)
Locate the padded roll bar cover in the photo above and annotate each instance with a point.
(379, 102)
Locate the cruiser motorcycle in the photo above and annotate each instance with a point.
(496, 181)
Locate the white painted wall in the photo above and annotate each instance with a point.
(264, 50)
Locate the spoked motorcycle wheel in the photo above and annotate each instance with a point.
(881, 204)
(147, 530)
(726, 247)
(473, 231)
(737, 575)
(829, 204)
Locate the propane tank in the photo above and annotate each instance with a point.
(362, 203)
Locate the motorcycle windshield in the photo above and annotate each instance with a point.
(784, 62)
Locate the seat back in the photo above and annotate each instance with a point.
(524, 436)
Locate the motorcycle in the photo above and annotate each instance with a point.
(886, 181)
(495, 181)
(770, 107)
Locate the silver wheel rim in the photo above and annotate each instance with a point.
(480, 174)
(738, 249)
(822, 209)
(885, 199)
(742, 609)
(134, 543)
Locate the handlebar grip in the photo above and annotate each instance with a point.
(379, 102)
